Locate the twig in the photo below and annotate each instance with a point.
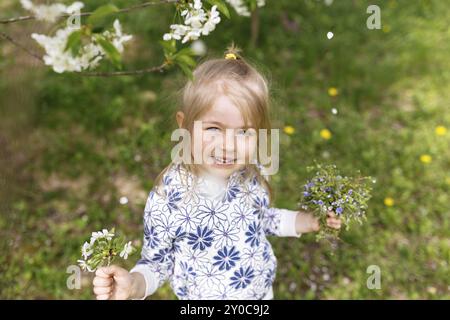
(124, 10)
(11, 20)
(159, 68)
(17, 44)
(254, 28)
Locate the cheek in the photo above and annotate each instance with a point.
(203, 144)
(209, 140)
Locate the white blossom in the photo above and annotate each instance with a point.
(86, 250)
(213, 20)
(51, 12)
(83, 264)
(75, 7)
(242, 8)
(197, 4)
(197, 22)
(108, 235)
(119, 38)
(89, 56)
(127, 249)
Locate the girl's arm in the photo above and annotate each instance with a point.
(154, 267)
(137, 286)
(156, 263)
(306, 222)
(290, 223)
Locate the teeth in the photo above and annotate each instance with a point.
(224, 161)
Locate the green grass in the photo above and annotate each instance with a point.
(74, 145)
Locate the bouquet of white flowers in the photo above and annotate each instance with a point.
(102, 249)
(329, 191)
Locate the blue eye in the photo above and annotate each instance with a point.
(244, 132)
(212, 128)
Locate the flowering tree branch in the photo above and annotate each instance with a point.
(159, 68)
(81, 47)
(86, 14)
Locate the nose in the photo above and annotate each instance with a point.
(226, 147)
(230, 143)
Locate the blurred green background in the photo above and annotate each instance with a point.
(71, 146)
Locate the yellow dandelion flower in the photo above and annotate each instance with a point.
(425, 158)
(325, 134)
(333, 92)
(386, 29)
(440, 130)
(289, 130)
(389, 202)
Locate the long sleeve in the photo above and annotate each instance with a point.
(275, 221)
(279, 222)
(157, 256)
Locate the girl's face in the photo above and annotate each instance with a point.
(222, 140)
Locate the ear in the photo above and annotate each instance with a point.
(180, 118)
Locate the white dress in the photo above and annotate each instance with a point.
(209, 240)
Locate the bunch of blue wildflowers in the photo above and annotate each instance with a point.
(327, 191)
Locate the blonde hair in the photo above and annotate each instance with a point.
(243, 85)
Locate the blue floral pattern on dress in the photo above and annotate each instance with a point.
(231, 193)
(173, 197)
(201, 239)
(253, 234)
(242, 278)
(150, 236)
(226, 258)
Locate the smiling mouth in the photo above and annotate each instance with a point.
(218, 160)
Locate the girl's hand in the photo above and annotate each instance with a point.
(113, 283)
(333, 221)
(306, 222)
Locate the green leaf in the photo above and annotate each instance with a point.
(169, 47)
(98, 16)
(74, 42)
(184, 51)
(187, 71)
(222, 7)
(185, 59)
(110, 51)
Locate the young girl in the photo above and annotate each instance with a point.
(207, 219)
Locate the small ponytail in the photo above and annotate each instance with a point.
(233, 53)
